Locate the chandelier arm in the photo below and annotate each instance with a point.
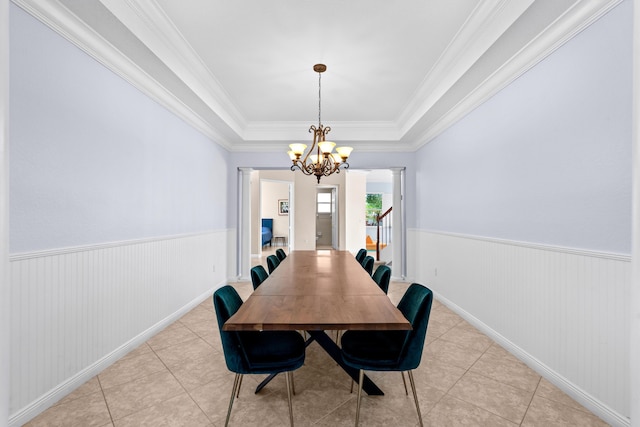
(315, 134)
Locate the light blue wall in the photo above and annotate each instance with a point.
(93, 159)
(546, 160)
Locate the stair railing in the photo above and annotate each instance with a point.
(383, 230)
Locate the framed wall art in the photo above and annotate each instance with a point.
(283, 207)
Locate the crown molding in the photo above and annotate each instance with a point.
(230, 130)
(573, 21)
(297, 131)
(68, 25)
(488, 22)
(271, 146)
(150, 24)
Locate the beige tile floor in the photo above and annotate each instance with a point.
(179, 378)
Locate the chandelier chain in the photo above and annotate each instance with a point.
(319, 98)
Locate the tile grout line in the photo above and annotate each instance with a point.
(180, 382)
(471, 403)
(531, 400)
(106, 403)
(182, 385)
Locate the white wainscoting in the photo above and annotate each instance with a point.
(75, 311)
(564, 312)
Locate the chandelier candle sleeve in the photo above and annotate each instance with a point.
(319, 160)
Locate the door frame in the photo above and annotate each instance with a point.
(335, 217)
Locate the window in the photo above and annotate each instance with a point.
(324, 202)
(373, 207)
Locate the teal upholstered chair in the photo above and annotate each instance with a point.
(258, 275)
(367, 264)
(272, 263)
(392, 350)
(360, 255)
(280, 254)
(256, 352)
(382, 276)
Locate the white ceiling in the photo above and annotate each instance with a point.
(398, 72)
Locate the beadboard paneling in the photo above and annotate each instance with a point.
(564, 312)
(75, 311)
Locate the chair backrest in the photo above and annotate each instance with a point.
(415, 305)
(360, 255)
(272, 263)
(367, 264)
(280, 254)
(382, 276)
(226, 303)
(258, 275)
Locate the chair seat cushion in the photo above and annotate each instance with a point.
(273, 351)
(372, 350)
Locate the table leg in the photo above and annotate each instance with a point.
(271, 376)
(333, 350)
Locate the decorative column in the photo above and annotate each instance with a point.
(244, 224)
(397, 238)
(5, 330)
(634, 336)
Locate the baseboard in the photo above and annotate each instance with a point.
(585, 399)
(49, 399)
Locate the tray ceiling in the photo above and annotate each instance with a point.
(398, 72)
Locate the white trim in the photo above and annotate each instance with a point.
(5, 282)
(97, 246)
(586, 400)
(563, 29)
(530, 245)
(149, 23)
(54, 395)
(69, 26)
(634, 336)
(484, 26)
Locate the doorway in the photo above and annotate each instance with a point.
(246, 221)
(326, 218)
(274, 212)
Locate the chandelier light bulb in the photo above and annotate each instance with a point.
(326, 146)
(298, 149)
(344, 152)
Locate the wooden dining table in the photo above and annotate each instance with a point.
(317, 291)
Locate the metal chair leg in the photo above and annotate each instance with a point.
(239, 385)
(236, 385)
(293, 386)
(360, 381)
(415, 395)
(351, 391)
(288, 379)
(405, 383)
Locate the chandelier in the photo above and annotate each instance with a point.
(319, 160)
